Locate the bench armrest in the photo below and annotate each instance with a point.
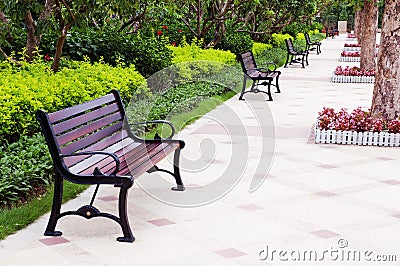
(157, 122)
(268, 65)
(96, 170)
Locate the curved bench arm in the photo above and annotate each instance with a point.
(157, 122)
(116, 159)
(268, 65)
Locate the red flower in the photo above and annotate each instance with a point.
(173, 43)
(165, 27)
(47, 57)
(180, 30)
(159, 33)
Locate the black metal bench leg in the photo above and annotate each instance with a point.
(126, 230)
(302, 62)
(269, 92)
(307, 59)
(287, 60)
(277, 85)
(55, 209)
(177, 174)
(243, 87)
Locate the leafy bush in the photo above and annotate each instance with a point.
(294, 28)
(278, 40)
(259, 47)
(194, 52)
(25, 89)
(275, 54)
(25, 169)
(236, 42)
(148, 53)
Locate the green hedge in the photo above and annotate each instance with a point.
(194, 52)
(25, 169)
(25, 89)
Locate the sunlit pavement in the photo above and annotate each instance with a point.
(335, 204)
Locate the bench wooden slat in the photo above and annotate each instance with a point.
(87, 141)
(88, 128)
(77, 121)
(81, 108)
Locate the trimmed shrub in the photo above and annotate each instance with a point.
(25, 89)
(278, 40)
(194, 52)
(259, 48)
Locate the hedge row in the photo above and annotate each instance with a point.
(25, 89)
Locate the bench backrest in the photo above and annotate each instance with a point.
(308, 40)
(247, 61)
(92, 125)
(289, 46)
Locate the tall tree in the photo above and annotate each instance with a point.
(370, 25)
(358, 22)
(386, 95)
(204, 16)
(271, 16)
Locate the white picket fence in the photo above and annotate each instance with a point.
(355, 49)
(352, 49)
(349, 59)
(352, 79)
(357, 138)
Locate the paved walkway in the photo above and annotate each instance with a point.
(326, 200)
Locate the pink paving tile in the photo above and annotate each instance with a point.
(250, 207)
(327, 166)
(230, 253)
(108, 198)
(329, 147)
(384, 158)
(326, 194)
(391, 182)
(161, 222)
(291, 132)
(325, 233)
(54, 241)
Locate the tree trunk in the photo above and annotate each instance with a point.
(358, 23)
(59, 47)
(386, 96)
(32, 41)
(370, 25)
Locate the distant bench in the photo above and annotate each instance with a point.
(294, 56)
(92, 143)
(257, 74)
(310, 45)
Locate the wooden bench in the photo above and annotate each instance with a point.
(310, 45)
(257, 74)
(294, 56)
(92, 143)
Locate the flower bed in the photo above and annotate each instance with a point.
(353, 75)
(357, 127)
(346, 56)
